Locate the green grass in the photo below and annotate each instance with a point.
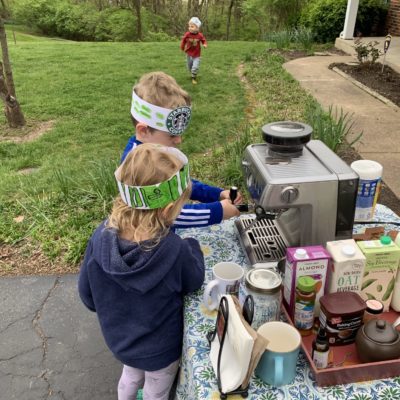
(85, 88)
(20, 33)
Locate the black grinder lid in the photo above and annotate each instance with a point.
(286, 136)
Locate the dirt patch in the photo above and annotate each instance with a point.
(27, 259)
(31, 131)
(386, 83)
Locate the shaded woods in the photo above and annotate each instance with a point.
(154, 20)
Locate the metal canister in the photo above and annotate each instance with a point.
(265, 287)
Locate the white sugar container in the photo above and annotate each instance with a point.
(370, 173)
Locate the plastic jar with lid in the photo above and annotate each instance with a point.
(304, 306)
(265, 286)
(374, 308)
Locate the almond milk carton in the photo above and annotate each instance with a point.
(310, 260)
(347, 267)
(383, 258)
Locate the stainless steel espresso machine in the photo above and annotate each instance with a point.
(303, 194)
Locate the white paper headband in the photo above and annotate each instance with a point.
(160, 194)
(172, 121)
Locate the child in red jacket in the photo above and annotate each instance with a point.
(191, 46)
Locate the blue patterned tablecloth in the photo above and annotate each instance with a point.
(197, 380)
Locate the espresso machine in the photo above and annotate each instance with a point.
(303, 194)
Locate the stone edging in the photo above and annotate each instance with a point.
(366, 88)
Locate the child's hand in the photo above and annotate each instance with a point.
(229, 210)
(225, 195)
(205, 46)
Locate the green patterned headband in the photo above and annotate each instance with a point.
(159, 195)
(172, 121)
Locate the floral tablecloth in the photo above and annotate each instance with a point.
(197, 380)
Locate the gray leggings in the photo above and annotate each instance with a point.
(155, 384)
(193, 64)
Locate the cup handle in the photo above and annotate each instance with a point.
(208, 294)
(278, 371)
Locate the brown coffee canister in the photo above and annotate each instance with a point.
(341, 315)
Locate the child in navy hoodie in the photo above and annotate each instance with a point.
(136, 271)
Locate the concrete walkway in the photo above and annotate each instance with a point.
(379, 122)
(51, 347)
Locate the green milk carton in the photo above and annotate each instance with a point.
(382, 260)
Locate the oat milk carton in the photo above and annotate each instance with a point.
(383, 258)
(346, 270)
(310, 260)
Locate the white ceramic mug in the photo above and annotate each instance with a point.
(227, 277)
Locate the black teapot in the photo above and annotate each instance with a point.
(378, 340)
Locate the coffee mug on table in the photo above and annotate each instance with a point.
(226, 280)
(277, 365)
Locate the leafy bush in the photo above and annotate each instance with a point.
(117, 25)
(37, 13)
(367, 53)
(371, 17)
(76, 22)
(159, 37)
(326, 17)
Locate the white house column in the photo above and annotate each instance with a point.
(350, 21)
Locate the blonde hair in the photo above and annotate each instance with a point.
(147, 164)
(162, 90)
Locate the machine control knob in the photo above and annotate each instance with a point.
(289, 194)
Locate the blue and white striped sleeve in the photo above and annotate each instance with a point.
(198, 215)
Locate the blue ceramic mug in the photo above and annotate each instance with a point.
(277, 365)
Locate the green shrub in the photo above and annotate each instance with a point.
(367, 53)
(76, 22)
(371, 17)
(159, 37)
(37, 14)
(326, 18)
(116, 25)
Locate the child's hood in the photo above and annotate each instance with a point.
(130, 265)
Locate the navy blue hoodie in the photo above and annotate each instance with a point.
(138, 294)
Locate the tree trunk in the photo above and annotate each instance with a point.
(228, 23)
(6, 59)
(12, 110)
(139, 18)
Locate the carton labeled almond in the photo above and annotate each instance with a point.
(346, 270)
(300, 261)
(382, 261)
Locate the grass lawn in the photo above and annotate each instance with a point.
(85, 90)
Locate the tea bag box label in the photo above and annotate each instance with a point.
(395, 304)
(305, 261)
(382, 261)
(347, 267)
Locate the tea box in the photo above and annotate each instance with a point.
(382, 261)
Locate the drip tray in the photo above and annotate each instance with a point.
(263, 244)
